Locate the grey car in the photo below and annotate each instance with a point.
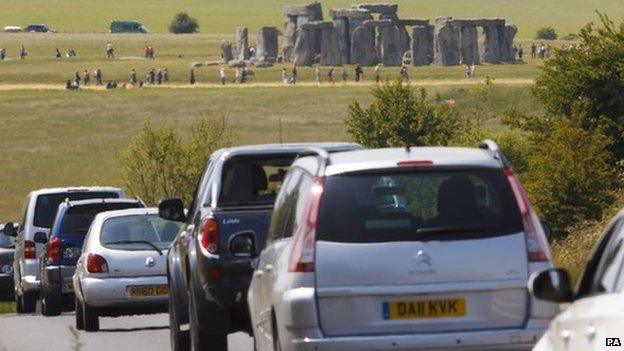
(123, 266)
(7, 251)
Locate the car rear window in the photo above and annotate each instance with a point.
(136, 232)
(253, 181)
(47, 205)
(77, 219)
(412, 205)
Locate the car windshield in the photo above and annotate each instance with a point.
(409, 205)
(77, 219)
(138, 232)
(47, 205)
(253, 181)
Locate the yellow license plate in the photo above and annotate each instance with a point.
(421, 309)
(148, 290)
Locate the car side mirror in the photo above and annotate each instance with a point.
(9, 229)
(547, 230)
(172, 209)
(40, 238)
(243, 245)
(551, 285)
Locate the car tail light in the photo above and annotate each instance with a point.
(209, 236)
(54, 246)
(30, 249)
(536, 243)
(304, 240)
(96, 264)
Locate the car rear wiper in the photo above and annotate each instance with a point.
(450, 230)
(136, 242)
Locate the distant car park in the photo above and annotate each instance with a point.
(13, 29)
(39, 28)
(127, 27)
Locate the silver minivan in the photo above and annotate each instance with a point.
(388, 249)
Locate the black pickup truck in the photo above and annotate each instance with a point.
(210, 263)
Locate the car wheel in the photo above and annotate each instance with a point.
(19, 308)
(199, 338)
(90, 319)
(29, 302)
(50, 303)
(179, 339)
(79, 315)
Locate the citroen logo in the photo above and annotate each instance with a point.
(421, 264)
(422, 259)
(150, 262)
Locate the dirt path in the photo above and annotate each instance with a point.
(423, 83)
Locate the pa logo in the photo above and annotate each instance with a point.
(614, 342)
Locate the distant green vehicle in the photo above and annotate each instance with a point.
(127, 27)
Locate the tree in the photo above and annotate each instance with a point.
(590, 75)
(546, 33)
(400, 116)
(183, 24)
(159, 164)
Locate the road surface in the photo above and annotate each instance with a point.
(136, 333)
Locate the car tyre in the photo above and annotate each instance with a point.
(199, 338)
(79, 315)
(179, 339)
(50, 303)
(29, 302)
(90, 318)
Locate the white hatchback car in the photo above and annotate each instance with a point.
(595, 317)
(400, 249)
(123, 266)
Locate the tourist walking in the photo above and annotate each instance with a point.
(404, 74)
(533, 51)
(520, 52)
(330, 76)
(159, 76)
(192, 76)
(2, 54)
(473, 69)
(87, 77)
(317, 76)
(222, 75)
(58, 54)
(98, 76)
(377, 74)
(344, 74)
(294, 75)
(359, 73)
(133, 77)
(284, 76)
(22, 52)
(77, 79)
(166, 75)
(110, 51)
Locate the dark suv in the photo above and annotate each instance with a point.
(58, 262)
(210, 261)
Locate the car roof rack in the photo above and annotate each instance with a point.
(495, 151)
(321, 154)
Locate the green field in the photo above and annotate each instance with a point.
(222, 16)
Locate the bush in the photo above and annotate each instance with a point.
(589, 76)
(400, 116)
(158, 164)
(570, 37)
(546, 33)
(183, 24)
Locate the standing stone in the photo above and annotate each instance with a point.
(290, 37)
(362, 43)
(226, 51)
(392, 46)
(469, 45)
(267, 44)
(445, 42)
(493, 35)
(304, 47)
(507, 51)
(422, 45)
(344, 41)
(330, 48)
(242, 43)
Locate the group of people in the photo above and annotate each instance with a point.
(22, 53)
(152, 77)
(85, 79)
(540, 50)
(71, 53)
(344, 75)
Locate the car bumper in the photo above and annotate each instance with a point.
(7, 288)
(59, 279)
(112, 292)
(514, 339)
